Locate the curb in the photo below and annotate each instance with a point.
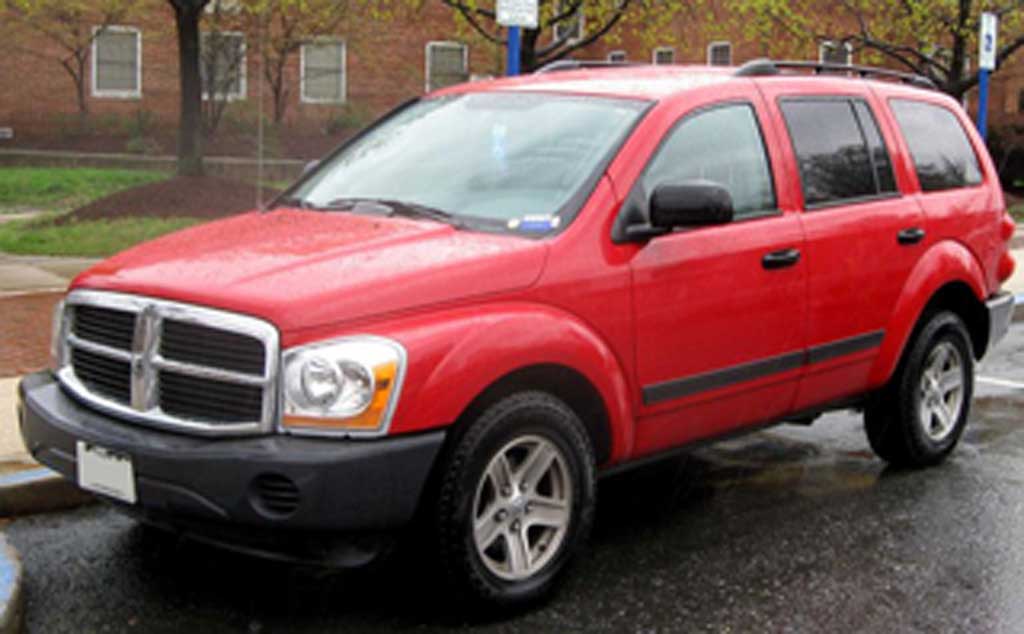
(38, 491)
(11, 596)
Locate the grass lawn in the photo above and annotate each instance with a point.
(63, 188)
(91, 238)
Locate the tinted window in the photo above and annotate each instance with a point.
(943, 156)
(832, 148)
(722, 145)
(879, 154)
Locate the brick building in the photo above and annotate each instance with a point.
(331, 85)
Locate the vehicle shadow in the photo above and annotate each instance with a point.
(673, 508)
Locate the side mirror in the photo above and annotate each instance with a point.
(690, 204)
(312, 165)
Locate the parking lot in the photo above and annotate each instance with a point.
(791, 529)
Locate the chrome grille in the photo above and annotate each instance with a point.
(170, 365)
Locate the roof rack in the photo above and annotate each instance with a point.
(766, 67)
(576, 64)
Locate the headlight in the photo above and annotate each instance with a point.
(58, 338)
(346, 386)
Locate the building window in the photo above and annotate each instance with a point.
(830, 52)
(571, 28)
(222, 65)
(720, 54)
(117, 63)
(617, 57)
(1020, 101)
(323, 72)
(447, 64)
(664, 55)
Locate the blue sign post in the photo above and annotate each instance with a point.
(516, 15)
(514, 43)
(986, 64)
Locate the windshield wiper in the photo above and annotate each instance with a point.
(391, 207)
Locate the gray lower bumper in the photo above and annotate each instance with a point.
(1000, 314)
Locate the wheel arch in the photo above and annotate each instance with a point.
(947, 277)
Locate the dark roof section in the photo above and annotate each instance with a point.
(766, 67)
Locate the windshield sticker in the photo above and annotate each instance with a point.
(534, 224)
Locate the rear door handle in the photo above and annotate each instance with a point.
(780, 259)
(913, 235)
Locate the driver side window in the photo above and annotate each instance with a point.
(723, 145)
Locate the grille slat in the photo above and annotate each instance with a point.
(202, 399)
(203, 345)
(108, 377)
(193, 402)
(111, 327)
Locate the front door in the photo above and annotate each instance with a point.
(719, 310)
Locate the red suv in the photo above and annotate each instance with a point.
(506, 289)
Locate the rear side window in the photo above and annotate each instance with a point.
(839, 150)
(722, 144)
(943, 156)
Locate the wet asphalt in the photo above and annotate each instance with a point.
(792, 529)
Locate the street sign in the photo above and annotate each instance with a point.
(987, 41)
(521, 13)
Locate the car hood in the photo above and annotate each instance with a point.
(302, 269)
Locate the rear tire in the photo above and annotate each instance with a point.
(918, 418)
(516, 500)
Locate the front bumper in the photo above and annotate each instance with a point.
(1000, 315)
(208, 487)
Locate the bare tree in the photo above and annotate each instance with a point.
(70, 25)
(187, 14)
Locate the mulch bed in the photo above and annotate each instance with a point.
(193, 196)
(25, 332)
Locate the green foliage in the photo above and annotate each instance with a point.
(347, 119)
(94, 238)
(65, 188)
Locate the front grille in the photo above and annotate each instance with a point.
(108, 377)
(114, 328)
(201, 399)
(173, 365)
(194, 343)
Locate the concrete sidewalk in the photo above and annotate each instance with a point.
(21, 274)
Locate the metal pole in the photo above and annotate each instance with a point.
(514, 36)
(983, 103)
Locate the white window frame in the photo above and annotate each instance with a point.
(582, 21)
(715, 43)
(441, 43)
(344, 72)
(833, 44)
(662, 49)
(612, 54)
(97, 31)
(243, 87)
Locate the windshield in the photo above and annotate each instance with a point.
(504, 158)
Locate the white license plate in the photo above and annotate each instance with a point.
(105, 472)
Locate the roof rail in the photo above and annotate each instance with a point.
(576, 64)
(766, 67)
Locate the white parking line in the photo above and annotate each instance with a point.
(1015, 385)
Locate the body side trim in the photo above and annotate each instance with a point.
(687, 386)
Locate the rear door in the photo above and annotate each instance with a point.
(719, 309)
(864, 236)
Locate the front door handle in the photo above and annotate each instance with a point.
(913, 235)
(780, 259)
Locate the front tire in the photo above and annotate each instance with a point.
(918, 418)
(516, 500)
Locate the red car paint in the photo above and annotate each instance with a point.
(471, 307)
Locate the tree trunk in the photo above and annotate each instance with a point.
(190, 130)
(528, 50)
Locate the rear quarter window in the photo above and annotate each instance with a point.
(942, 153)
(840, 153)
